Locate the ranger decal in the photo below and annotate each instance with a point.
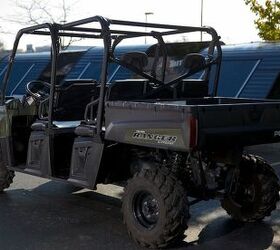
(162, 139)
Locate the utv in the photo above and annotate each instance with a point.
(165, 133)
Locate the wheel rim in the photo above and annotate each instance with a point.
(146, 209)
(245, 194)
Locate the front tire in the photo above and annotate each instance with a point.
(6, 178)
(255, 194)
(155, 208)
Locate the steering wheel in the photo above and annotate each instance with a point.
(38, 89)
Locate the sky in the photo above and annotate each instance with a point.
(233, 19)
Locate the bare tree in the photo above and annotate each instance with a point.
(38, 11)
(32, 12)
(3, 51)
(1, 46)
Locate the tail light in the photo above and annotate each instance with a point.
(193, 128)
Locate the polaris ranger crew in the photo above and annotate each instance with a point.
(165, 133)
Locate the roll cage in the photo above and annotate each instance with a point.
(112, 32)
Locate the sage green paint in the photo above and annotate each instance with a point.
(13, 108)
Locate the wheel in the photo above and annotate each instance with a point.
(155, 208)
(38, 89)
(6, 178)
(255, 194)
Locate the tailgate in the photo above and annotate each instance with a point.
(148, 124)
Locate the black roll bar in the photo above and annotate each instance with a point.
(14, 50)
(111, 38)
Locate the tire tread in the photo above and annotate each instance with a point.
(269, 190)
(175, 200)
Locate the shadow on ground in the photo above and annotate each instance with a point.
(229, 235)
(60, 216)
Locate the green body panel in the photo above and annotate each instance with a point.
(5, 122)
(13, 108)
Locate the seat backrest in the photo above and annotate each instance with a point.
(127, 90)
(71, 100)
(194, 62)
(192, 88)
(138, 60)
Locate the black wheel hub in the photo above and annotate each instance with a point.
(146, 209)
(245, 194)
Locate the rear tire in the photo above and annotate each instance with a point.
(6, 178)
(155, 208)
(255, 194)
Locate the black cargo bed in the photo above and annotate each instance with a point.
(219, 122)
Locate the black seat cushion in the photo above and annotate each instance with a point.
(85, 130)
(39, 125)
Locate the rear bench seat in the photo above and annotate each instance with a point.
(70, 104)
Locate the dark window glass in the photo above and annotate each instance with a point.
(275, 91)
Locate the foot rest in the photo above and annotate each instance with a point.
(85, 130)
(39, 126)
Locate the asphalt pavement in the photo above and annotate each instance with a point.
(40, 214)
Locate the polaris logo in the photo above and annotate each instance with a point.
(276, 133)
(162, 139)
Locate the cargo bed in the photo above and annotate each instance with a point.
(207, 123)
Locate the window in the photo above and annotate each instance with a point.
(275, 91)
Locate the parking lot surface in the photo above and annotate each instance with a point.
(41, 214)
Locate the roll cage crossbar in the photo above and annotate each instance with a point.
(111, 32)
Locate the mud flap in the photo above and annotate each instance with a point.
(85, 161)
(38, 157)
